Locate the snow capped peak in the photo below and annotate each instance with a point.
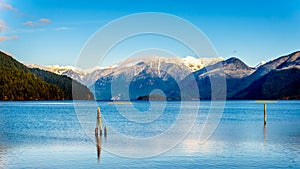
(191, 62)
(199, 63)
(146, 60)
(57, 69)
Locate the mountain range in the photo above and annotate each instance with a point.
(141, 77)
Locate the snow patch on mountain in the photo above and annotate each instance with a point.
(198, 63)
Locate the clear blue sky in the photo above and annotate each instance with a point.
(49, 32)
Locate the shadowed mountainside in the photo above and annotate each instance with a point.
(17, 82)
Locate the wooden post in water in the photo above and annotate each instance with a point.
(98, 122)
(265, 114)
(105, 131)
(99, 119)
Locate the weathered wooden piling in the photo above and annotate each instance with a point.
(100, 119)
(265, 114)
(105, 131)
(98, 122)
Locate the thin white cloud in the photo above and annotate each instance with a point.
(40, 22)
(25, 30)
(3, 29)
(5, 38)
(44, 20)
(7, 6)
(28, 23)
(63, 28)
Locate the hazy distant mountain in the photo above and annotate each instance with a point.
(18, 82)
(69, 71)
(55, 68)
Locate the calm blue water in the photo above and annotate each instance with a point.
(48, 134)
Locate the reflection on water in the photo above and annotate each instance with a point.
(98, 145)
(98, 140)
(265, 133)
(2, 156)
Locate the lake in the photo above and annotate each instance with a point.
(60, 134)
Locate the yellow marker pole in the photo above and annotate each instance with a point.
(99, 120)
(265, 114)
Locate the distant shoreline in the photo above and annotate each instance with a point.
(258, 100)
(137, 100)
